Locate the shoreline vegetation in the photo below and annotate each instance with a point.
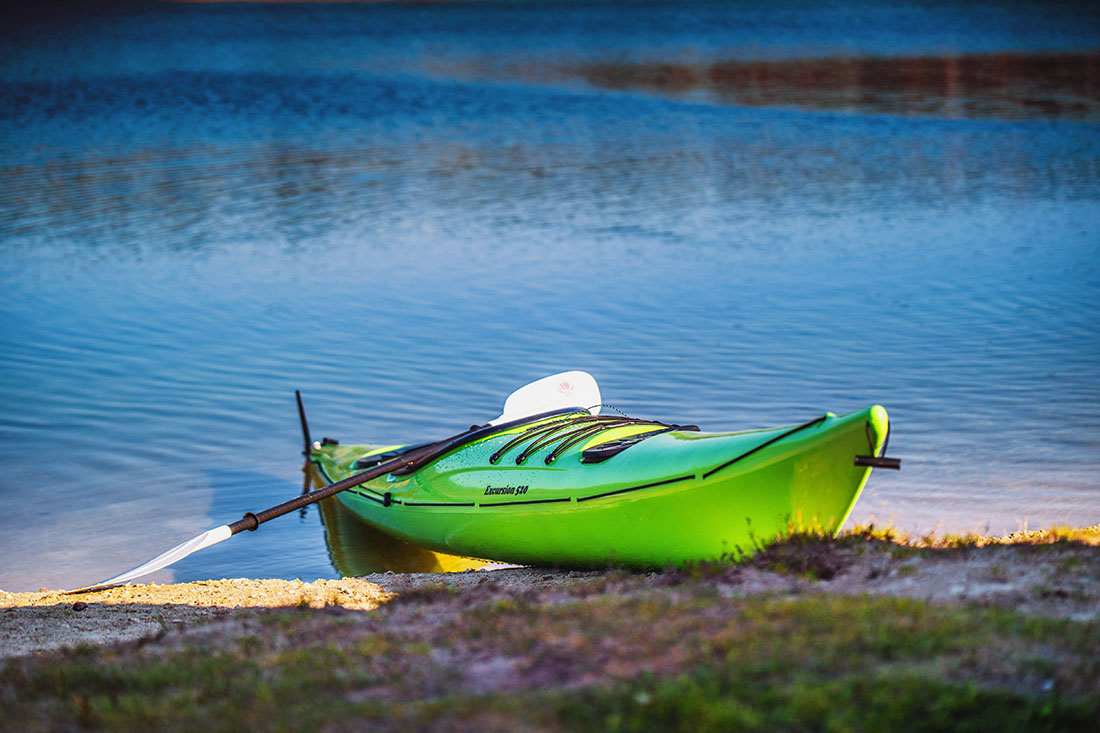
(867, 631)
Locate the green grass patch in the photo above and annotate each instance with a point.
(723, 700)
(674, 658)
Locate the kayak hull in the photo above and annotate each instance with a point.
(356, 548)
(673, 498)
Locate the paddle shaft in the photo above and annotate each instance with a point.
(251, 521)
(302, 418)
(404, 463)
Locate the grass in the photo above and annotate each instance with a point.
(1054, 536)
(619, 651)
(690, 660)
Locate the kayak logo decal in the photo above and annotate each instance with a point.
(510, 490)
(565, 387)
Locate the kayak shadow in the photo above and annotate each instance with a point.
(356, 548)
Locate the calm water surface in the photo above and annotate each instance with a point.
(733, 217)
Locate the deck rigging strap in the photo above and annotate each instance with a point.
(571, 430)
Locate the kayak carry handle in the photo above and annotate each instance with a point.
(879, 462)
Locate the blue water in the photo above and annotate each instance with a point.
(407, 211)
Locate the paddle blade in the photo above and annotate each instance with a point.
(177, 553)
(567, 389)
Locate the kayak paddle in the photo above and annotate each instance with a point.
(558, 391)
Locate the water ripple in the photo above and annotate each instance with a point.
(188, 240)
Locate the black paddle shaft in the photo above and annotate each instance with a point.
(400, 465)
(251, 521)
(305, 425)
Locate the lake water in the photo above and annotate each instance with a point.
(731, 215)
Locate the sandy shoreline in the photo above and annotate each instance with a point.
(1035, 574)
(856, 633)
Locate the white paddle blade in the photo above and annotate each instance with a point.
(567, 389)
(180, 551)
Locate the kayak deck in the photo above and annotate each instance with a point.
(675, 496)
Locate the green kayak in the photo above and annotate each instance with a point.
(573, 488)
